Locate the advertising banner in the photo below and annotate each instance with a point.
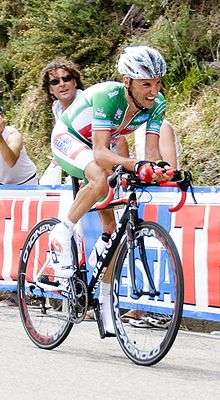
(195, 230)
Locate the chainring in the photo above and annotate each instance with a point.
(78, 300)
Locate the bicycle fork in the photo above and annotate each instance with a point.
(135, 240)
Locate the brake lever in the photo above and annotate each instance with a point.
(183, 183)
(187, 183)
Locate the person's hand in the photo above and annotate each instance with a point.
(151, 172)
(2, 124)
(144, 171)
(162, 172)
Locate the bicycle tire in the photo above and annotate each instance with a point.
(44, 314)
(147, 327)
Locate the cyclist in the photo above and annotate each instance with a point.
(81, 138)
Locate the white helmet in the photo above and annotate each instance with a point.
(141, 62)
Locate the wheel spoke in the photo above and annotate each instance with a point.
(147, 321)
(45, 312)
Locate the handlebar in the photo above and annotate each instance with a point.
(183, 196)
(128, 180)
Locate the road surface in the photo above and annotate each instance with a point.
(85, 367)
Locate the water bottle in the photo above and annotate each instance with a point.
(98, 248)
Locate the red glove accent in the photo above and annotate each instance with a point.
(169, 171)
(150, 172)
(158, 171)
(145, 173)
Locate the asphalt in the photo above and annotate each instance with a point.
(85, 367)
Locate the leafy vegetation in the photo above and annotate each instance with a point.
(198, 130)
(91, 33)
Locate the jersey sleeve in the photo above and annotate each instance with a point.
(157, 116)
(102, 111)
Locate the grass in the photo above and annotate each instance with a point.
(198, 129)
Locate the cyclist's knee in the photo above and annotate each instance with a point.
(97, 178)
(100, 184)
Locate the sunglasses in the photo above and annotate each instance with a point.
(56, 81)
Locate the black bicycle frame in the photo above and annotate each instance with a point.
(105, 258)
(128, 221)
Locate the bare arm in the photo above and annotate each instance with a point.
(104, 157)
(167, 144)
(11, 149)
(152, 147)
(122, 147)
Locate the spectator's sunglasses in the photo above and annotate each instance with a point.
(56, 81)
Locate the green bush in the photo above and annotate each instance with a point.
(197, 127)
(91, 33)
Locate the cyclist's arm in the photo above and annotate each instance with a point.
(167, 144)
(122, 147)
(105, 157)
(10, 149)
(153, 126)
(152, 147)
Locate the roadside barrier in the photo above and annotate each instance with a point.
(195, 229)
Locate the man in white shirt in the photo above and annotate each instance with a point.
(61, 81)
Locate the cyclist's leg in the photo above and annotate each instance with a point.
(108, 223)
(76, 158)
(90, 193)
(81, 164)
(105, 298)
(107, 216)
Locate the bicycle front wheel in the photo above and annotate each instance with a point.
(45, 313)
(147, 294)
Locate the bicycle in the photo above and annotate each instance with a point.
(147, 279)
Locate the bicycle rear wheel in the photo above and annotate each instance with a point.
(45, 313)
(147, 312)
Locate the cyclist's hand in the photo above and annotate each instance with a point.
(150, 172)
(144, 171)
(163, 171)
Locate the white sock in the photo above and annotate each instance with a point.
(69, 224)
(105, 289)
(104, 299)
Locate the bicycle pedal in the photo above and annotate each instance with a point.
(99, 321)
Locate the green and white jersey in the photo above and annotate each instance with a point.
(103, 107)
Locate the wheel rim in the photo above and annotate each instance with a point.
(146, 327)
(44, 312)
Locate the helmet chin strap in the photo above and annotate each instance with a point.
(133, 99)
